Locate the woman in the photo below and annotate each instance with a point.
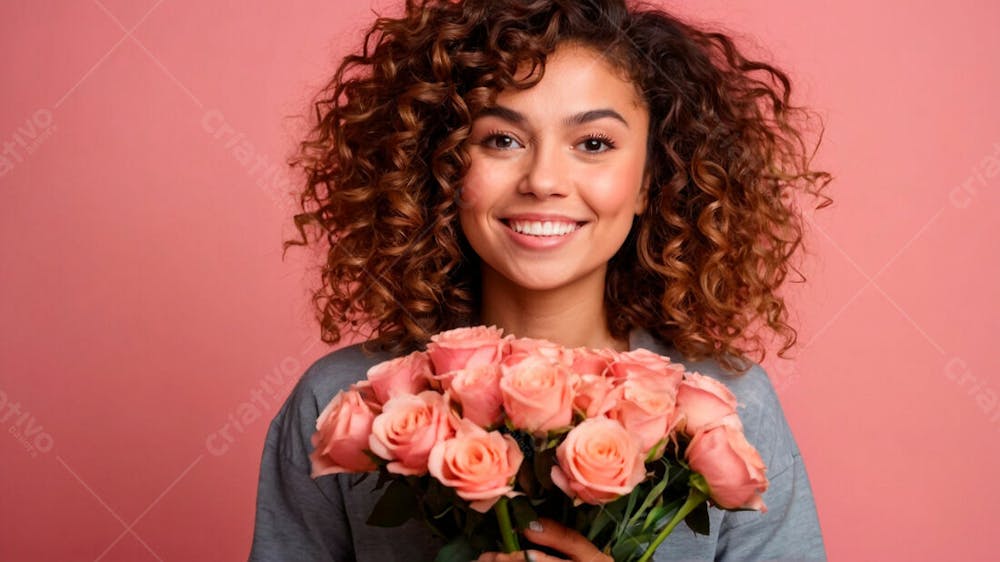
(578, 171)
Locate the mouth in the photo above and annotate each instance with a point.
(542, 229)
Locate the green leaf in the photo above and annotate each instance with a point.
(626, 549)
(526, 480)
(668, 509)
(584, 515)
(544, 460)
(384, 477)
(600, 522)
(656, 515)
(652, 496)
(628, 515)
(436, 499)
(397, 504)
(358, 479)
(458, 550)
(473, 519)
(559, 431)
(522, 511)
(657, 451)
(698, 519)
(441, 514)
(677, 475)
(698, 482)
(609, 512)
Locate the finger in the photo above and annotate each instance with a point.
(538, 556)
(520, 556)
(565, 540)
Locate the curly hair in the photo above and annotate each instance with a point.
(384, 163)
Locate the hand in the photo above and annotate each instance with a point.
(547, 532)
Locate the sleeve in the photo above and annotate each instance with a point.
(322, 519)
(790, 529)
(297, 517)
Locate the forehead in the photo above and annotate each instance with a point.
(576, 76)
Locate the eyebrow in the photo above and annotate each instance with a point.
(518, 118)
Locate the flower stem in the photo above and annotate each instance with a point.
(695, 498)
(507, 534)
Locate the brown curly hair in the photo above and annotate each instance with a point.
(385, 159)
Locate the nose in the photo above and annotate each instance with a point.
(547, 173)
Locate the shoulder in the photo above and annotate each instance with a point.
(759, 407)
(790, 528)
(295, 422)
(760, 411)
(336, 371)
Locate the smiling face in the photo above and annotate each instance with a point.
(556, 175)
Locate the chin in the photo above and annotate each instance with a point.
(552, 281)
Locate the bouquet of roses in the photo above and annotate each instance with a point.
(483, 428)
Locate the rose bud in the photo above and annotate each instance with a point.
(341, 436)
(730, 465)
(409, 374)
(463, 348)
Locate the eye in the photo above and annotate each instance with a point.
(596, 144)
(500, 141)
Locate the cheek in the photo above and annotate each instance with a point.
(476, 195)
(470, 194)
(617, 196)
(470, 201)
(616, 189)
(483, 183)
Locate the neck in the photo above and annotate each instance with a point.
(572, 316)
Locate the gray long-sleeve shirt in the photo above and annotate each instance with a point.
(301, 519)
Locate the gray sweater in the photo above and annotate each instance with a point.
(301, 519)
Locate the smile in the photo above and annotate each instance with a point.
(542, 228)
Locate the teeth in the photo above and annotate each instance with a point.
(540, 228)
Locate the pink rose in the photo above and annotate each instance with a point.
(479, 466)
(593, 395)
(442, 382)
(537, 392)
(703, 402)
(408, 427)
(478, 391)
(593, 391)
(463, 348)
(546, 348)
(731, 466)
(598, 462)
(648, 359)
(646, 402)
(409, 374)
(341, 436)
(588, 361)
(364, 388)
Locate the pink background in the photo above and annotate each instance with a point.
(145, 304)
